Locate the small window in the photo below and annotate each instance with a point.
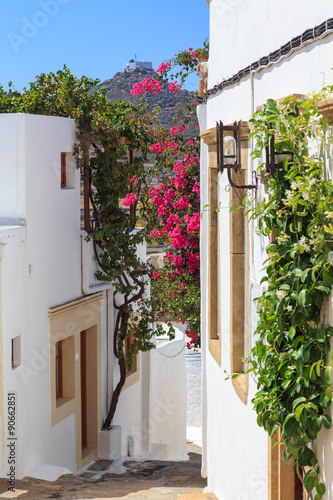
(63, 171)
(16, 352)
(67, 171)
(59, 370)
(65, 370)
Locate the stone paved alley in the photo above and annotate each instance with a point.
(143, 480)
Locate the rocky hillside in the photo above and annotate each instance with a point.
(119, 88)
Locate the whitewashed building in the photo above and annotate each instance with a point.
(57, 368)
(258, 50)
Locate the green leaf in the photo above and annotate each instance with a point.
(298, 400)
(327, 278)
(304, 275)
(327, 421)
(324, 289)
(306, 457)
(310, 480)
(321, 489)
(320, 335)
(325, 398)
(290, 427)
(285, 287)
(292, 332)
(328, 370)
(298, 413)
(301, 298)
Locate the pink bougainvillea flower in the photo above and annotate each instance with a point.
(163, 68)
(193, 223)
(156, 275)
(178, 166)
(174, 87)
(178, 240)
(192, 336)
(157, 200)
(157, 148)
(157, 233)
(154, 86)
(138, 88)
(190, 49)
(196, 188)
(133, 178)
(177, 130)
(178, 261)
(162, 210)
(151, 84)
(193, 261)
(168, 256)
(130, 199)
(182, 203)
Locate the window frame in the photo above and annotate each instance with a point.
(59, 370)
(240, 276)
(214, 295)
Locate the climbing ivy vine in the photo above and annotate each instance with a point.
(290, 359)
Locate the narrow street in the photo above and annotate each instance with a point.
(142, 480)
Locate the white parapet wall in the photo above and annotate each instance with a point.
(169, 398)
(193, 374)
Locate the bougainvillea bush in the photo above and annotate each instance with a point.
(172, 209)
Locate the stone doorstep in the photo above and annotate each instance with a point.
(198, 496)
(96, 469)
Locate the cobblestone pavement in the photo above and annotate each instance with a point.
(151, 480)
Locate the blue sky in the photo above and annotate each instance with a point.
(95, 38)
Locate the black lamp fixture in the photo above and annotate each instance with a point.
(275, 160)
(229, 152)
(228, 146)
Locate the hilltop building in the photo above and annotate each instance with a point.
(143, 64)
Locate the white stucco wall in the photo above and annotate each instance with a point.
(131, 411)
(193, 375)
(168, 399)
(128, 413)
(41, 252)
(251, 30)
(42, 269)
(234, 447)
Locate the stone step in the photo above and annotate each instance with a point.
(198, 496)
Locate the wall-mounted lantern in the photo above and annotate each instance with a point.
(274, 160)
(228, 146)
(229, 152)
